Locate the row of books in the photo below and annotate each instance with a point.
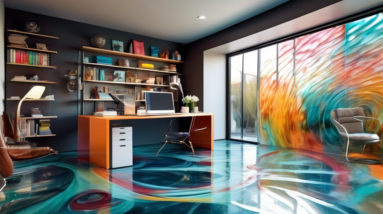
(31, 128)
(28, 57)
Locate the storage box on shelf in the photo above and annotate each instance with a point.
(96, 72)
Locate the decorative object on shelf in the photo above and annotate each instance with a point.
(138, 47)
(86, 59)
(35, 93)
(196, 109)
(89, 73)
(159, 80)
(36, 112)
(49, 97)
(165, 68)
(165, 55)
(173, 67)
(101, 75)
(117, 45)
(130, 48)
(105, 89)
(95, 93)
(32, 26)
(44, 127)
(138, 96)
(41, 46)
(34, 78)
(70, 77)
(19, 78)
(154, 51)
(129, 76)
(97, 41)
(15, 97)
(18, 40)
(145, 65)
(194, 100)
(123, 62)
(119, 76)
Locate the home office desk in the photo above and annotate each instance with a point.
(94, 134)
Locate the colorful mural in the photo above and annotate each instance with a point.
(339, 67)
(234, 178)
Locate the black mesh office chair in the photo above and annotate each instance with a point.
(184, 138)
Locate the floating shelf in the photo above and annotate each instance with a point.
(126, 83)
(38, 100)
(37, 66)
(33, 81)
(106, 65)
(37, 118)
(124, 54)
(98, 100)
(49, 135)
(32, 49)
(32, 34)
(155, 70)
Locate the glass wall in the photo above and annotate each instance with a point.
(283, 94)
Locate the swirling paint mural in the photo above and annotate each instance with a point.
(234, 178)
(339, 67)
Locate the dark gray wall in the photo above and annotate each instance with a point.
(193, 67)
(72, 36)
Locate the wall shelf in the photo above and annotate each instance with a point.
(126, 83)
(32, 34)
(98, 100)
(37, 66)
(124, 54)
(32, 49)
(38, 118)
(106, 65)
(34, 82)
(155, 70)
(49, 135)
(37, 100)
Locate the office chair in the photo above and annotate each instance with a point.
(350, 125)
(181, 137)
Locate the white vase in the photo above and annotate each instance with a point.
(185, 109)
(195, 109)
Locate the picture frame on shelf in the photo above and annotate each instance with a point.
(138, 48)
(119, 76)
(129, 77)
(154, 51)
(117, 45)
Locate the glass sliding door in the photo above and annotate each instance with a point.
(236, 68)
(250, 123)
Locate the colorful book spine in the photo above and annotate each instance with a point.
(28, 57)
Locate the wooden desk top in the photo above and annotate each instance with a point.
(134, 117)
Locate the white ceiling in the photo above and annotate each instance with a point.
(322, 16)
(173, 20)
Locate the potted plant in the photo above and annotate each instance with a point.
(194, 100)
(186, 100)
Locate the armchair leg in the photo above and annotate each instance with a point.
(5, 183)
(364, 147)
(191, 144)
(162, 147)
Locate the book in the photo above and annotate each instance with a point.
(138, 47)
(105, 113)
(28, 57)
(44, 127)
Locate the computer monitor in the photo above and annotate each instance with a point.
(159, 102)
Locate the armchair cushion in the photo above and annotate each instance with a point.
(364, 137)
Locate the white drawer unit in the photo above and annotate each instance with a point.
(121, 147)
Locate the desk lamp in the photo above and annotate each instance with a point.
(177, 85)
(35, 93)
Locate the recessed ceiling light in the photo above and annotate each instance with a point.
(201, 17)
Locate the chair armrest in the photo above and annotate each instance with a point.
(196, 130)
(369, 118)
(343, 134)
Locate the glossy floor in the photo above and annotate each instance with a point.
(235, 178)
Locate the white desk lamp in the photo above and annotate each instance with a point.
(35, 93)
(176, 86)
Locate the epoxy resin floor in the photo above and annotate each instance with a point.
(235, 178)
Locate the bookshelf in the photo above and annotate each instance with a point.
(88, 84)
(39, 60)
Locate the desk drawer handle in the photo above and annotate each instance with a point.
(122, 139)
(122, 132)
(122, 145)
